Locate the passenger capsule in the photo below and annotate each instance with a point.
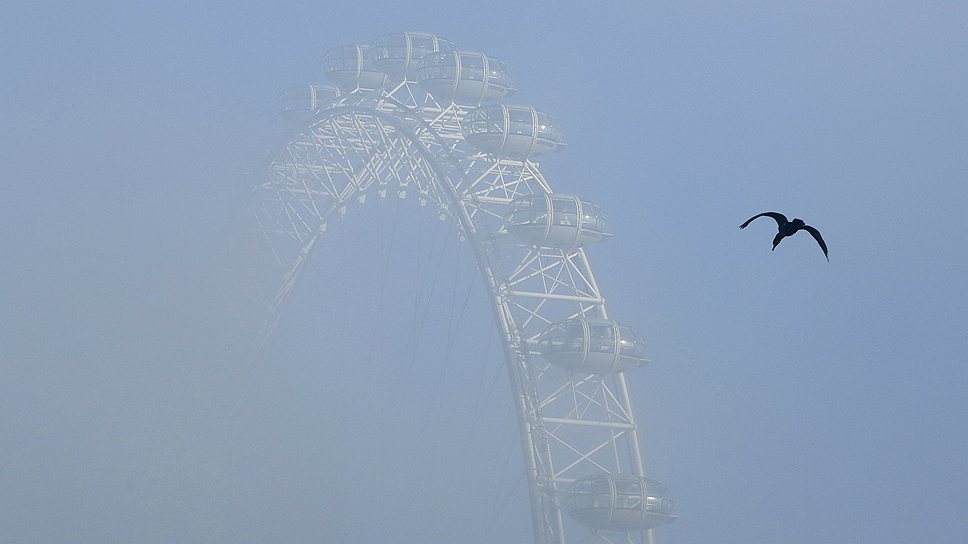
(514, 131)
(298, 103)
(399, 54)
(464, 77)
(595, 346)
(619, 503)
(351, 68)
(556, 220)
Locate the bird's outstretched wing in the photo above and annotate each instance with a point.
(816, 236)
(777, 239)
(778, 217)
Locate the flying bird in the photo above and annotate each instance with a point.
(789, 228)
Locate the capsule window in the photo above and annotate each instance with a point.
(567, 337)
(628, 494)
(583, 486)
(546, 127)
(634, 350)
(393, 46)
(484, 121)
(333, 64)
(341, 60)
(520, 122)
(602, 490)
(565, 211)
(397, 44)
(441, 66)
(530, 212)
(592, 216)
(557, 338)
(657, 497)
(602, 338)
(472, 67)
(630, 345)
(420, 45)
(628, 487)
(523, 217)
(598, 220)
(576, 333)
(584, 499)
(629, 502)
(498, 73)
(494, 124)
(591, 493)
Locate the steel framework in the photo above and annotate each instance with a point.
(399, 142)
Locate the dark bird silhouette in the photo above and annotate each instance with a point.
(789, 228)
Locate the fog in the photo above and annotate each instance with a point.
(788, 399)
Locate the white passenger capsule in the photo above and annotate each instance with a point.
(620, 503)
(514, 131)
(350, 67)
(595, 346)
(464, 77)
(556, 220)
(304, 101)
(398, 54)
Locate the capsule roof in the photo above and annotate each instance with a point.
(351, 67)
(464, 77)
(399, 53)
(297, 103)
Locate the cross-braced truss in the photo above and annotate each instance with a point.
(402, 143)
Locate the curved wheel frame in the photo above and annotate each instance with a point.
(400, 143)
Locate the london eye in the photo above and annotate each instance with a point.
(411, 116)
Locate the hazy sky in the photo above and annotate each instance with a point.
(789, 400)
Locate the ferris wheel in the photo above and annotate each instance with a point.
(410, 115)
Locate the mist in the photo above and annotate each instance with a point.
(788, 399)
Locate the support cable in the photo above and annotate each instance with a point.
(412, 338)
(426, 307)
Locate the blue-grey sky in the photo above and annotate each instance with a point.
(789, 400)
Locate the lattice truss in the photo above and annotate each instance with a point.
(324, 168)
(587, 419)
(578, 423)
(339, 159)
(403, 143)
